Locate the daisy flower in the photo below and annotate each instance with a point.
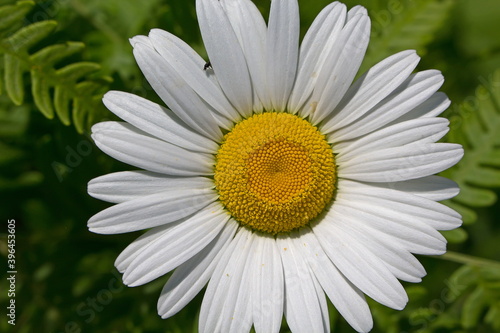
(274, 178)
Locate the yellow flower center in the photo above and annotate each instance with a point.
(275, 172)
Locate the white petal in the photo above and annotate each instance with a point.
(150, 211)
(432, 107)
(157, 121)
(414, 235)
(189, 278)
(282, 50)
(346, 298)
(176, 92)
(189, 65)
(137, 246)
(356, 10)
(317, 43)
(397, 259)
(432, 187)
(358, 264)
(128, 185)
(140, 40)
(267, 285)
(302, 307)
(376, 84)
(238, 315)
(224, 286)
(251, 30)
(341, 66)
(411, 93)
(127, 144)
(176, 246)
(322, 302)
(398, 206)
(401, 163)
(226, 55)
(423, 130)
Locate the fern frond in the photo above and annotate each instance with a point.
(478, 289)
(11, 16)
(475, 124)
(405, 25)
(63, 91)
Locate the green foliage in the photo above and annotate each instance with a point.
(114, 49)
(68, 91)
(404, 25)
(13, 124)
(474, 37)
(475, 124)
(474, 291)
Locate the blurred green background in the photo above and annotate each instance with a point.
(66, 281)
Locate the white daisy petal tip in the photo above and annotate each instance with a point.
(91, 188)
(139, 39)
(96, 229)
(96, 136)
(411, 57)
(457, 152)
(155, 32)
(109, 94)
(358, 9)
(94, 128)
(453, 189)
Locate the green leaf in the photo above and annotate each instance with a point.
(41, 94)
(473, 308)
(493, 316)
(14, 78)
(475, 197)
(78, 70)
(407, 25)
(50, 55)
(416, 292)
(54, 90)
(81, 107)
(463, 278)
(30, 35)
(490, 273)
(11, 14)
(78, 114)
(62, 99)
(487, 177)
(455, 236)
(476, 124)
(477, 286)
